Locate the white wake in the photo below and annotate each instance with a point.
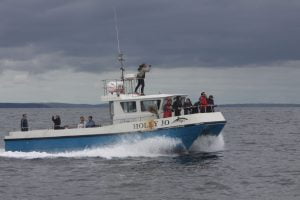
(151, 147)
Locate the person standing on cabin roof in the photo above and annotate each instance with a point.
(143, 68)
(24, 123)
(177, 106)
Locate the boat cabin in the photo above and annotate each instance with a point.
(126, 106)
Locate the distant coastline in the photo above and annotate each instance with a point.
(70, 105)
(49, 105)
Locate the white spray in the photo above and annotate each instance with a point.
(209, 144)
(151, 147)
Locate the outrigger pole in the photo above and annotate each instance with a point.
(120, 55)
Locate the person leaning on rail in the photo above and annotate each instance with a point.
(203, 102)
(211, 104)
(177, 105)
(82, 123)
(187, 107)
(24, 123)
(57, 122)
(168, 108)
(90, 123)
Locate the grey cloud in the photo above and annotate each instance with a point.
(42, 35)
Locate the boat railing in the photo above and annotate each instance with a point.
(118, 86)
(205, 109)
(200, 109)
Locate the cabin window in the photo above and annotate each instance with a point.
(148, 105)
(129, 107)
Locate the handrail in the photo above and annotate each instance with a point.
(118, 86)
(137, 119)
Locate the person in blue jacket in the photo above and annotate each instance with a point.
(90, 123)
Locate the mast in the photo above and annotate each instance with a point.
(120, 54)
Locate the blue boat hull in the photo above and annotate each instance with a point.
(187, 135)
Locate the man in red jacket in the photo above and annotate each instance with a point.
(204, 103)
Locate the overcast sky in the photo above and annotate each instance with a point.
(242, 51)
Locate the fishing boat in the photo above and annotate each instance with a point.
(133, 117)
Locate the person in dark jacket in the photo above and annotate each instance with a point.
(196, 106)
(187, 106)
(177, 105)
(56, 120)
(24, 123)
(90, 123)
(211, 104)
(143, 68)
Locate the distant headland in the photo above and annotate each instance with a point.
(49, 105)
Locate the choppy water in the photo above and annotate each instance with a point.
(256, 157)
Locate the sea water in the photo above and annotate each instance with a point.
(255, 157)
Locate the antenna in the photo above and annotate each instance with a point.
(120, 55)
